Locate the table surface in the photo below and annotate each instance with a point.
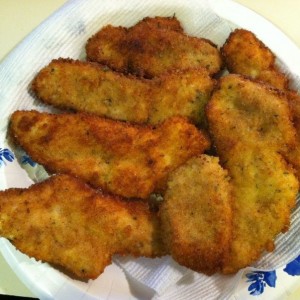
(19, 18)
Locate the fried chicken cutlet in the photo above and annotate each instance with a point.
(245, 54)
(251, 126)
(251, 112)
(111, 34)
(128, 160)
(66, 223)
(94, 89)
(150, 51)
(264, 193)
(196, 214)
(293, 156)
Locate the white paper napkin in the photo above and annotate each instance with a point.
(64, 34)
(158, 274)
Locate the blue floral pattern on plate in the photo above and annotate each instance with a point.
(27, 160)
(6, 155)
(293, 268)
(259, 280)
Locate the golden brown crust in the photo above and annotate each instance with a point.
(211, 219)
(109, 34)
(196, 215)
(251, 126)
(264, 193)
(245, 54)
(64, 222)
(129, 160)
(148, 51)
(293, 155)
(252, 111)
(92, 88)
(182, 93)
(165, 23)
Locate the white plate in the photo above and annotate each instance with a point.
(35, 52)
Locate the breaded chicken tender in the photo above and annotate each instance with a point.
(123, 159)
(245, 54)
(66, 223)
(264, 193)
(251, 126)
(251, 112)
(196, 214)
(293, 155)
(150, 51)
(181, 93)
(94, 89)
(110, 35)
